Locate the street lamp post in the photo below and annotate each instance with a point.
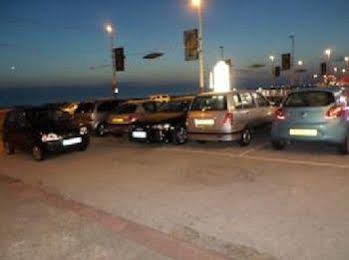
(198, 5)
(328, 53)
(111, 33)
(346, 60)
(272, 59)
(293, 53)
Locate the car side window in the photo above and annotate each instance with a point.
(237, 101)
(247, 101)
(104, 107)
(149, 107)
(22, 121)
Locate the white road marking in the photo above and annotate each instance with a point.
(253, 149)
(261, 158)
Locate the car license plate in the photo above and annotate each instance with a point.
(204, 122)
(118, 120)
(139, 134)
(72, 141)
(303, 132)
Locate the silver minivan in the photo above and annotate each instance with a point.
(228, 116)
(94, 114)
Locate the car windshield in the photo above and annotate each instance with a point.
(177, 106)
(310, 99)
(40, 117)
(125, 109)
(85, 108)
(210, 103)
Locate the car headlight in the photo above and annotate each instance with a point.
(50, 137)
(83, 130)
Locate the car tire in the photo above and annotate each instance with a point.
(180, 135)
(101, 131)
(278, 144)
(37, 153)
(246, 137)
(344, 148)
(9, 148)
(84, 145)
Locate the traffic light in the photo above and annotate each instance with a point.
(286, 61)
(277, 71)
(323, 67)
(191, 45)
(119, 59)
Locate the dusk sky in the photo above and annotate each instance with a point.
(55, 42)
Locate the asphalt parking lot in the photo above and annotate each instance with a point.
(246, 203)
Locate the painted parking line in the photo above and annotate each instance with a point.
(245, 155)
(148, 237)
(253, 149)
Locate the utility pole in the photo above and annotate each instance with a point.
(293, 53)
(201, 51)
(111, 33)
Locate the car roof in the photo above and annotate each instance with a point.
(227, 92)
(327, 89)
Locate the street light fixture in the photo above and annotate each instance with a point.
(109, 29)
(344, 71)
(328, 53)
(335, 69)
(300, 63)
(198, 5)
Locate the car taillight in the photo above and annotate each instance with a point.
(228, 118)
(132, 119)
(279, 113)
(334, 112)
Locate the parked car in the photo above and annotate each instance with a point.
(42, 130)
(160, 98)
(94, 114)
(166, 125)
(313, 115)
(121, 119)
(228, 116)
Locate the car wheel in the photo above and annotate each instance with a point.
(101, 131)
(38, 153)
(83, 147)
(180, 135)
(9, 148)
(278, 145)
(344, 148)
(246, 137)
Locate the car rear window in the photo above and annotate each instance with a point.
(310, 99)
(126, 109)
(174, 106)
(210, 103)
(85, 108)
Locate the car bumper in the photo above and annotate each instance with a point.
(118, 129)
(325, 133)
(61, 146)
(151, 135)
(222, 137)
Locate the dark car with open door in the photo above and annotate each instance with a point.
(42, 130)
(167, 125)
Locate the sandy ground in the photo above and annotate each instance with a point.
(248, 203)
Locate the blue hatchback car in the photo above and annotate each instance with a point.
(313, 115)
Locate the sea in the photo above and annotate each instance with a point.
(18, 96)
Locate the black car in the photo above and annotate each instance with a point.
(167, 125)
(42, 130)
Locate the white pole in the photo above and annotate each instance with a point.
(201, 51)
(112, 65)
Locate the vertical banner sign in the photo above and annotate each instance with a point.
(119, 59)
(277, 71)
(286, 61)
(191, 45)
(323, 68)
